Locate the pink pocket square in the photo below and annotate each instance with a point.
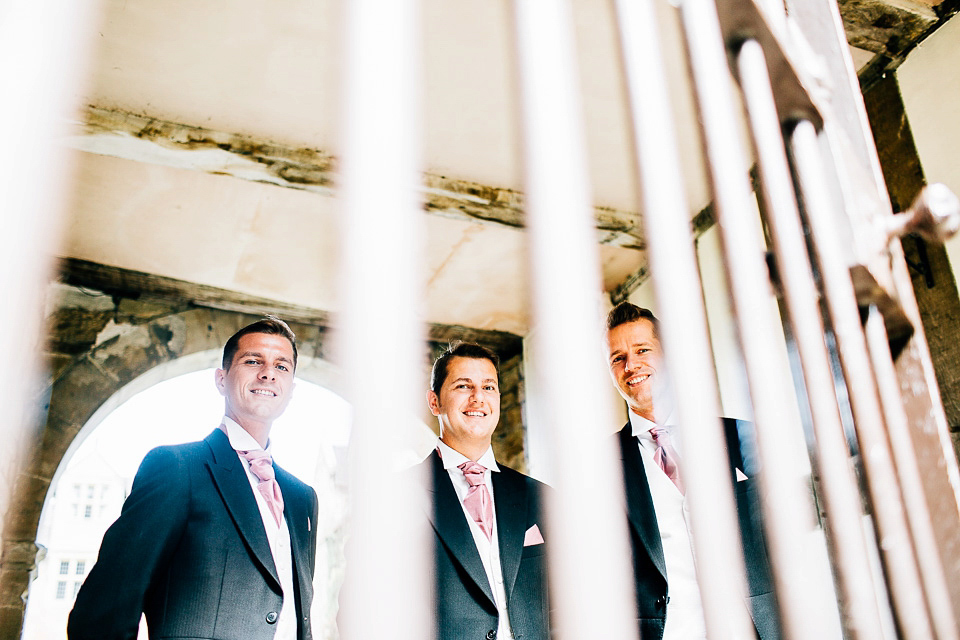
(532, 536)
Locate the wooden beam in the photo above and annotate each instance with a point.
(933, 281)
(135, 137)
(125, 283)
(701, 222)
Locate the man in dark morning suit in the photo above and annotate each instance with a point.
(490, 559)
(215, 541)
(668, 598)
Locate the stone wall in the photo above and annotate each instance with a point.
(509, 438)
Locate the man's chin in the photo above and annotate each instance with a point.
(639, 398)
(640, 408)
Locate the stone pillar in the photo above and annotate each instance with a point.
(510, 437)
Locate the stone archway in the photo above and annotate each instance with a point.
(114, 367)
(113, 332)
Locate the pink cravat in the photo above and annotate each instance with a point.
(478, 502)
(261, 464)
(666, 456)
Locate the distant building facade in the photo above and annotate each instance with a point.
(85, 502)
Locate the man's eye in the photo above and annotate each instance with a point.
(282, 367)
(251, 361)
(616, 359)
(490, 387)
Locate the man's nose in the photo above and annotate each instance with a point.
(266, 372)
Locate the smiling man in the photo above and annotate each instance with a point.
(214, 541)
(490, 562)
(668, 596)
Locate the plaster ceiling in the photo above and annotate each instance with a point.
(269, 71)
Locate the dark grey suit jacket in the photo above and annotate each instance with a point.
(464, 600)
(650, 573)
(190, 551)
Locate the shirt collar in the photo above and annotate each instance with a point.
(640, 426)
(452, 458)
(240, 440)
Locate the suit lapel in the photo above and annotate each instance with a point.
(231, 481)
(510, 501)
(296, 514)
(640, 510)
(451, 526)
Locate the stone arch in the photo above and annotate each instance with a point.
(133, 357)
(114, 332)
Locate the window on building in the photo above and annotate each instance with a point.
(76, 510)
(88, 511)
(81, 567)
(61, 590)
(76, 491)
(104, 489)
(76, 587)
(90, 490)
(64, 567)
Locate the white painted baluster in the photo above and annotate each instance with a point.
(381, 338)
(593, 594)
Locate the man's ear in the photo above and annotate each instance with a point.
(433, 402)
(218, 379)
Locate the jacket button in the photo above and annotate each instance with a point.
(662, 601)
(272, 617)
(491, 635)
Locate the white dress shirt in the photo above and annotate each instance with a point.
(277, 536)
(684, 609)
(489, 550)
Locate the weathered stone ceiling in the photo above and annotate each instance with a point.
(133, 137)
(253, 108)
(886, 27)
(211, 159)
(889, 29)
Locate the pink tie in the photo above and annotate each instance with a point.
(477, 502)
(666, 456)
(261, 464)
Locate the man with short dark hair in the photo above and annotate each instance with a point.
(668, 596)
(490, 543)
(215, 541)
